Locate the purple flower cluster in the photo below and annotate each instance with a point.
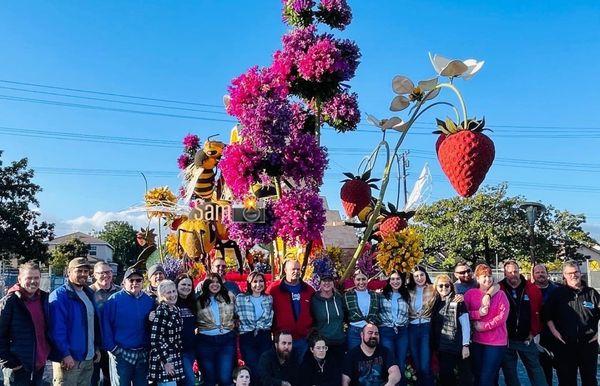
(321, 59)
(304, 160)
(298, 13)
(248, 234)
(299, 216)
(367, 262)
(173, 267)
(334, 13)
(267, 124)
(248, 88)
(322, 266)
(184, 160)
(191, 141)
(341, 112)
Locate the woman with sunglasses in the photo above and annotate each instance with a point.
(421, 299)
(361, 306)
(393, 316)
(318, 369)
(216, 335)
(254, 310)
(488, 312)
(450, 329)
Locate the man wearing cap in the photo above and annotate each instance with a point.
(103, 287)
(156, 274)
(125, 329)
(74, 327)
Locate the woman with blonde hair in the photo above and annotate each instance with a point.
(165, 359)
(450, 329)
(488, 313)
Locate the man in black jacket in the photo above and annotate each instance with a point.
(24, 346)
(573, 312)
(277, 367)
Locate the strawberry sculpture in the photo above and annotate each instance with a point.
(392, 220)
(465, 154)
(356, 192)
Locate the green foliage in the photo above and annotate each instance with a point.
(63, 253)
(489, 223)
(121, 235)
(22, 235)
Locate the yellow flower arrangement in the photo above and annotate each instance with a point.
(400, 251)
(158, 198)
(197, 270)
(171, 246)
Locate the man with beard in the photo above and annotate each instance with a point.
(24, 346)
(370, 364)
(523, 324)
(276, 367)
(74, 327)
(573, 312)
(464, 278)
(156, 274)
(539, 274)
(219, 266)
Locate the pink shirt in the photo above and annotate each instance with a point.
(491, 328)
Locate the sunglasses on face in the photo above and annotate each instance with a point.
(135, 280)
(465, 272)
(443, 285)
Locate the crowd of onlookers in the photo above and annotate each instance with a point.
(453, 331)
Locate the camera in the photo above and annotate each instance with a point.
(248, 213)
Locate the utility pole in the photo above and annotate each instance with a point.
(405, 165)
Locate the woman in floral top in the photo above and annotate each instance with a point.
(165, 361)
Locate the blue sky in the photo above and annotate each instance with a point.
(537, 91)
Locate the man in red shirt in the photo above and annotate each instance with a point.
(291, 307)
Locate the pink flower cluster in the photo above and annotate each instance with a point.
(304, 160)
(238, 165)
(299, 216)
(334, 13)
(191, 144)
(341, 112)
(191, 141)
(298, 13)
(248, 234)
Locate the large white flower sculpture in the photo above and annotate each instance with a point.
(452, 68)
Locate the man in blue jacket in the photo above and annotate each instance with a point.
(74, 327)
(126, 332)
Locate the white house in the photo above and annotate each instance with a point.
(99, 249)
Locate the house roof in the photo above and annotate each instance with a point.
(85, 238)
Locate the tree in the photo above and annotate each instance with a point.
(121, 235)
(22, 235)
(490, 223)
(65, 252)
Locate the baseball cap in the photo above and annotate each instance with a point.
(133, 271)
(155, 268)
(79, 262)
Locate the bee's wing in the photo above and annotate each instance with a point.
(420, 192)
(194, 174)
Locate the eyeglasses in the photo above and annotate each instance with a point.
(465, 272)
(575, 273)
(221, 266)
(135, 280)
(321, 348)
(444, 286)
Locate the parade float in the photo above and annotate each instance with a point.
(264, 182)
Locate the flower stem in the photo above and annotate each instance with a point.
(460, 99)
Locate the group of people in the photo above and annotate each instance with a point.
(292, 334)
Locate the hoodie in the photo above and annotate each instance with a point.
(328, 316)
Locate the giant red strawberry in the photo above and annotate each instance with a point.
(392, 220)
(465, 154)
(356, 192)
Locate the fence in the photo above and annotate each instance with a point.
(8, 278)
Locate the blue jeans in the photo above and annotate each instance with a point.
(396, 340)
(353, 337)
(123, 373)
(215, 358)
(188, 369)
(530, 357)
(420, 351)
(252, 346)
(486, 363)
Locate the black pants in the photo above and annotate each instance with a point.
(577, 356)
(448, 362)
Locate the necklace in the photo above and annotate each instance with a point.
(321, 366)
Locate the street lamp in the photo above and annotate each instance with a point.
(533, 211)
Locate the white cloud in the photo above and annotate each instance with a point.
(98, 219)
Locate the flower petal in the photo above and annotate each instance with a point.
(390, 123)
(433, 94)
(374, 120)
(399, 103)
(428, 84)
(401, 126)
(473, 67)
(438, 62)
(454, 68)
(402, 85)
